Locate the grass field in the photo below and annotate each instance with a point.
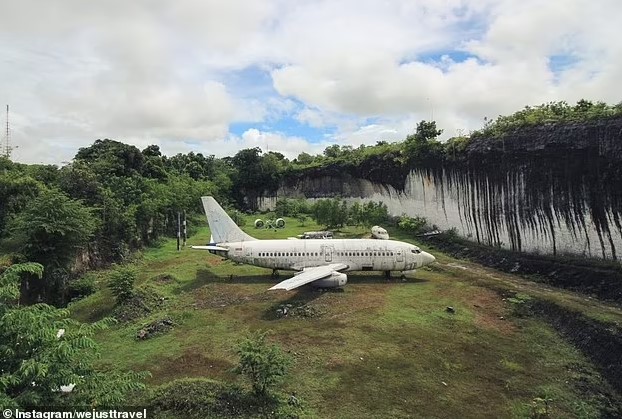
(381, 348)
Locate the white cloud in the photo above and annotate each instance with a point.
(75, 71)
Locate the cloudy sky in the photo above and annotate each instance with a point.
(216, 76)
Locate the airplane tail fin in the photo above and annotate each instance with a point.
(223, 228)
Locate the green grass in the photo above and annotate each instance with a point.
(378, 349)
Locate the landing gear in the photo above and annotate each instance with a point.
(275, 273)
(387, 274)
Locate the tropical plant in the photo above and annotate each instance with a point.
(46, 358)
(263, 364)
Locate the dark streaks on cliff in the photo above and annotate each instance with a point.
(530, 183)
(544, 177)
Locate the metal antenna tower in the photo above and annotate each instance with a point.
(7, 146)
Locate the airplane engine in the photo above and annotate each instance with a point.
(280, 223)
(259, 223)
(337, 279)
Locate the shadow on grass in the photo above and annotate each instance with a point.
(203, 277)
(206, 276)
(381, 279)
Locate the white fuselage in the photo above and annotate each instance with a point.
(358, 254)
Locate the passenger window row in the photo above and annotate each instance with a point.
(311, 254)
(365, 253)
(277, 254)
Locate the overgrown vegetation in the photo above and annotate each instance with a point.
(48, 359)
(549, 113)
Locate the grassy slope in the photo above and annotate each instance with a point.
(377, 349)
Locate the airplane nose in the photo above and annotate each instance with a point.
(427, 258)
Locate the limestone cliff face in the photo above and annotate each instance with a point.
(553, 189)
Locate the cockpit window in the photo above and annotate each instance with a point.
(417, 251)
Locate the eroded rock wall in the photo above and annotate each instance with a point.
(553, 189)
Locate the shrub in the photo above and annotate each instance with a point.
(205, 398)
(414, 225)
(122, 283)
(263, 364)
(82, 287)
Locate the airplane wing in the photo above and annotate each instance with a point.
(309, 275)
(210, 247)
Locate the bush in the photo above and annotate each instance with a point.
(414, 225)
(122, 283)
(82, 287)
(263, 364)
(205, 398)
(188, 397)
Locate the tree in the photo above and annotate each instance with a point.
(46, 358)
(256, 173)
(373, 213)
(414, 225)
(51, 230)
(304, 158)
(426, 131)
(263, 364)
(112, 158)
(332, 151)
(16, 190)
(79, 182)
(330, 212)
(422, 144)
(356, 214)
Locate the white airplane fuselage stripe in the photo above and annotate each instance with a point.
(359, 255)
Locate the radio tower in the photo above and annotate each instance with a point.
(7, 146)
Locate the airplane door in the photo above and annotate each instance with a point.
(328, 254)
(400, 256)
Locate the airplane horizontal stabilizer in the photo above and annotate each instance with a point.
(213, 248)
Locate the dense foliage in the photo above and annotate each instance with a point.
(549, 113)
(46, 358)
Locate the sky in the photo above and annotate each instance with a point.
(215, 76)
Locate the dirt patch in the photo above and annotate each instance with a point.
(192, 363)
(490, 312)
(366, 300)
(209, 298)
